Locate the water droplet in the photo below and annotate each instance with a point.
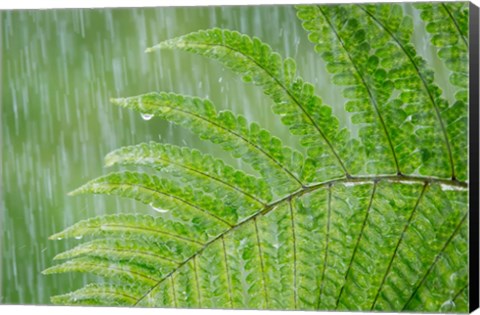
(79, 237)
(453, 277)
(220, 80)
(146, 116)
(157, 209)
(59, 238)
(447, 306)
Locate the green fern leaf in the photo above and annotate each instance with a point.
(377, 223)
(132, 229)
(122, 271)
(331, 155)
(200, 170)
(95, 294)
(162, 195)
(448, 25)
(137, 251)
(377, 59)
(277, 163)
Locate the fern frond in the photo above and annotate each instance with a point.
(311, 216)
(199, 170)
(448, 25)
(295, 101)
(163, 195)
(122, 271)
(353, 225)
(373, 62)
(438, 225)
(341, 62)
(135, 250)
(280, 165)
(169, 239)
(100, 294)
(378, 224)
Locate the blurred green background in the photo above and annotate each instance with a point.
(59, 68)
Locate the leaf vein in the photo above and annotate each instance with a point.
(357, 243)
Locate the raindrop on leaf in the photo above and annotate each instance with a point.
(447, 306)
(158, 209)
(146, 116)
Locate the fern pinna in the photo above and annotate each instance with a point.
(375, 221)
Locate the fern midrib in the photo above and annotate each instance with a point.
(455, 297)
(455, 23)
(394, 255)
(327, 239)
(197, 283)
(293, 98)
(359, 239)
(370, 94)
(262, 264)
(350, 180)
(134, 252)
(425, 85)
(123, 226)
(294, 245)
(229, 282)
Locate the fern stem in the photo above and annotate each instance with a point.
(398, 245)
(425, 85)
(357, 243)
(370, 94)
(437, 258)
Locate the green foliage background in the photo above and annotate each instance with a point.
(289, 41)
